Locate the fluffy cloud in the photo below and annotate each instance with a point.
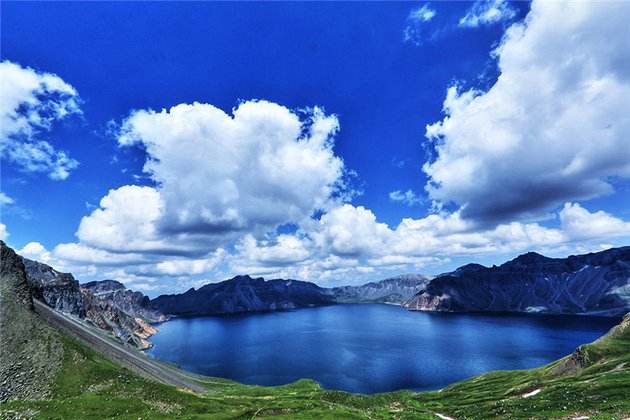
(30, 102)
(554, 127)
(349, 242)
(487, 12)
(447, 235)
(4, 233)
(284, 250)
(422, 14)
(408, 197)
(247, 172)
(350, 231)
(126, 222)
(220, 180)
(5, 200)
(579, 223)
(36, 251)
(415, 30)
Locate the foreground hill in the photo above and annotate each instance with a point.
(595, 284)
(81, 380)
(31, 352)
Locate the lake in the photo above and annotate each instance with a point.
(368, 348)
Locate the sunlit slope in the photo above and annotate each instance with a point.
(61, 377)
(90, 386)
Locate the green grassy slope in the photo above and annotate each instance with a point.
(90, 386)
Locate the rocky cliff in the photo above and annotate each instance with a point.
(243, 294)
(594, 284)
(107, 304)
(132, 303)
(58, 290)
(393, 290)
(31, 352)
(248, 294)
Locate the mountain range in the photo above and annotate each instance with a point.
(590, 284)
(248, 294)
(52, 366)
(593, 284)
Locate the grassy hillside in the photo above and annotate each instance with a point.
(90, 386)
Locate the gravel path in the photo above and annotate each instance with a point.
(132, 359)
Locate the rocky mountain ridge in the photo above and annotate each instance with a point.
(243, 294)
(394, 290)
(108, 304)
(249, 294)
(590, 284)
(31, 353)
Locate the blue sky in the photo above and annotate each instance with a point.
(379, 73)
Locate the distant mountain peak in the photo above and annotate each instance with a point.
(594, 283)
(530, 257)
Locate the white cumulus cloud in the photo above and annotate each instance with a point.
(250, 171)
(5, 200)
(30, 102)
(415, 30)
(408, 197)
(4, 233)
(554, 127)
(487, 12)
(423, 13)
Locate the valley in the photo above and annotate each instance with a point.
(94, 376)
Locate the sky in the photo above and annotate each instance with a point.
(168, 145)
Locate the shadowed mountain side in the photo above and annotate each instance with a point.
(594, 284)
(243, 294)
(30, 351)
(106, 304)
(247, 294)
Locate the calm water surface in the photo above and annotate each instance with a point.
(368, 348)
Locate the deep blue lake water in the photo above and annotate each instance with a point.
(368, 348)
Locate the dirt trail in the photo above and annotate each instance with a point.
(129, 358)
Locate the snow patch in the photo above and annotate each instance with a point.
(532, 393)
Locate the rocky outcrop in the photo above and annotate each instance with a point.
(593, 284)
(30, 351)
(393, 290)
(107, 304)
(58, 290)
(243, 294)
(125, 313)
(248, 294)
(134, 304)
(600, 350)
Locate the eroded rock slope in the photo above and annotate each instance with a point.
(594, 284)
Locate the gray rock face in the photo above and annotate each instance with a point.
(594, 284)
(134, 304)
(393, 290)
(58, 290)
(30, 351)
(107, 304)
(247, 294)
(243, 294)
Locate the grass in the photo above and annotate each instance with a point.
(90, 386)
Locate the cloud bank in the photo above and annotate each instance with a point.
(260, 190)
(554, 127)
(30, 102)
(487, 12)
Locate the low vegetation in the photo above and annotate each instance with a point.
(593, 382)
